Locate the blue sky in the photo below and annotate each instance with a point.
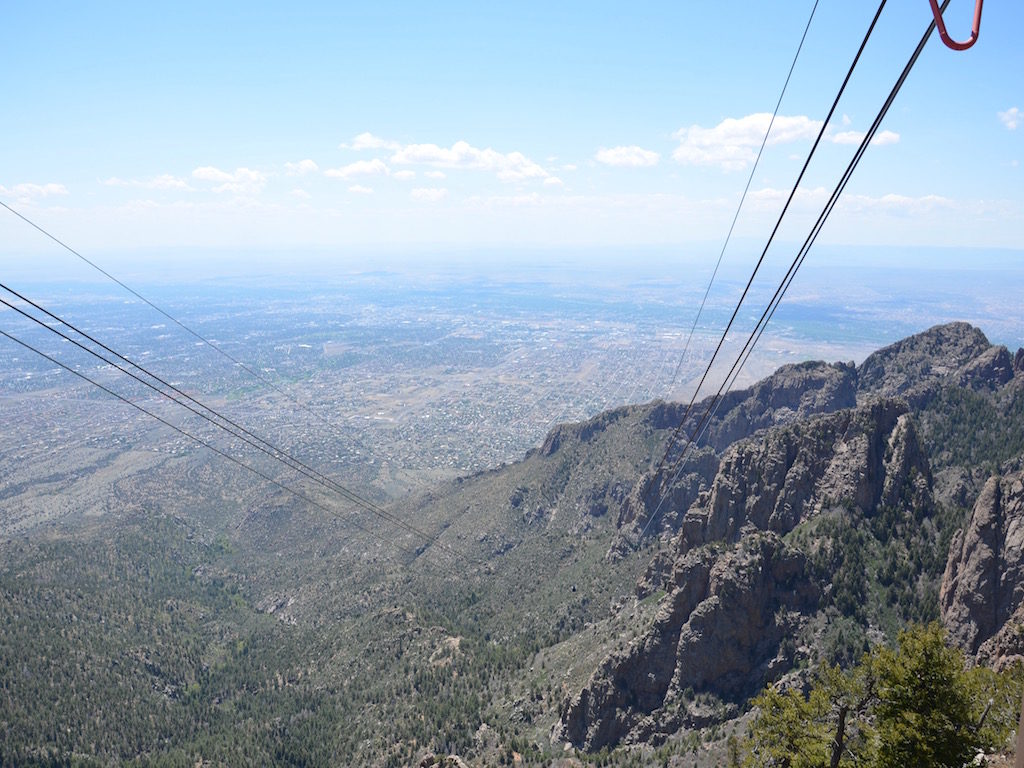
(160, 127)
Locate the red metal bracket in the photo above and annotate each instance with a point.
(950, 42)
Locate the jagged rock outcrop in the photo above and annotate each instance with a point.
(989, 370)
(1018, 361)
(672, 491)
(910, 368)
(733, 587)
(983, 585)
(864, 458)
(720, 626)
(792, 393)
(913, 369)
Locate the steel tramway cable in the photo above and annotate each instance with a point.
(787, 280)
(249, 370)
(210, 446)
(253, 440)
(802, 253)
(743, 197)
(349, 495)
(324, 479)
(210, 343)
(246, 435)
(621, 383)
(825, 123)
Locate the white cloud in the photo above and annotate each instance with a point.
(242, 181)
(885, 137)
(369, 141)
(511, 166)
(856, 137)
(164, 181)
(630, 157)
(770, 198)
(569, 167)
(1010, 118)
(507, 166)
(848, 137)
(301, 168)
(359, 189)
(898, 204)
(359, 168)
(430, 194)
(553, 181)
(27, 192)
(731, 145)
(300, 193)
(404, 175)
(507, 201)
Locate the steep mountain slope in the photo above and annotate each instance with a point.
(542, 528)
(738, 583)
(851, 492)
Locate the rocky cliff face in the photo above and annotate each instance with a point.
(734, 589)
(863, 458)
(719, 627)
(990, 370)
(983, 587)
(655, 503)
(793, 392)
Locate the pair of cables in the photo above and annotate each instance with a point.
(674, 469)
(89, 344)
